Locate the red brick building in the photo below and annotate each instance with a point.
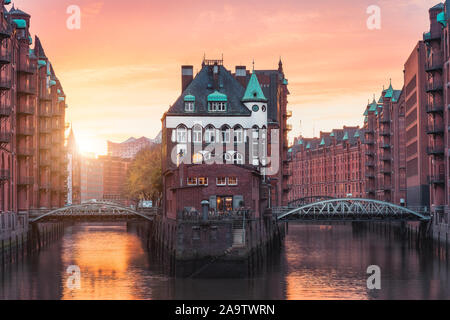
(385, 162)
(331, 165)
(114, 178)
(224, 141)
(32, 120)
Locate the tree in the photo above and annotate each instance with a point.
(144, 180)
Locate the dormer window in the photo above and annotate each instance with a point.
(189, 103)
(217, 106)
(217, 102)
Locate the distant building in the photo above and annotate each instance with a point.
(74, 171)
(331, 165)
(115, 171)
(129, 148)
(91, 179)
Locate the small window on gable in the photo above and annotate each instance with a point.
(189, 106)
(217, 106)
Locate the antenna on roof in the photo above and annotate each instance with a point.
(253, 65)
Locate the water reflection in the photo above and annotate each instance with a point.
(317, 262)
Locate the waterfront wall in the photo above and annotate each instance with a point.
(214, 248)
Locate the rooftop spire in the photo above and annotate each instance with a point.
(254, 93)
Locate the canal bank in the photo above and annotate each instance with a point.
(19, 237)
(215, 246)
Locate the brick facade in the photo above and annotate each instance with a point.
(32, 125)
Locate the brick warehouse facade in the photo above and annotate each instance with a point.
(332, 165)
(32, 121)
(220, 110)
(406, 137)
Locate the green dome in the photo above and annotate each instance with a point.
(189, 98)
(20, 23)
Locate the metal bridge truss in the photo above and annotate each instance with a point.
(94, 210)
(307, 200)
(350, 209)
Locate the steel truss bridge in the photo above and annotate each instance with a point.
(93, 211)
(349, 209)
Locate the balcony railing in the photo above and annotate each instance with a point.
(434, 65)
(5, 112)
(45, 129)
(5, 84)
(434, 108)
(434, 86)
(45, 113)
(436, 179)
(5, 137)
(26, 88)
(25, 108)
(25, 181)
(5, 57)
(25, 152)
(435, 129)
(45, 162)
(26, 68)
(435, 150)
(5, 175)
(25, 130)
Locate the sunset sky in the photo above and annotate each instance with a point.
(121, 70)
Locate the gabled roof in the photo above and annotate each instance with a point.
(18, 12)
(203, 85)
(389, 92)
(254, 93)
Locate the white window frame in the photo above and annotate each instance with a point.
(189, 106)
(221, 184)
(238, 158)
(182, 134)
(217, 106)
(225, 134)
(190, 179)
(238, 135)
(205, 181)
(232, 184)
(197, 134)
(210, 132)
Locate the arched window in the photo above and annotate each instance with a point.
(238, 134)
(181, 134)
(227, 157)
(238, 158)
(197, 134)
(226, 134)
(210, 134)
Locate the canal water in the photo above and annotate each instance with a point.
(316, 262)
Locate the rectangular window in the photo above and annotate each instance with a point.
(232, 181)
(221, 181)
(202, 181)
(189, 106)
(218, 106)
(192, 181)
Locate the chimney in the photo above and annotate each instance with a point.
(241, 75)
(187, 74)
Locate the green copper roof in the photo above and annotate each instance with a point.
(20, 23)
(332, 134)
(61, 99)
(59, 91)
(216, 96)
(254, 93)
(308, 146)
(322, 143)
(190, 98)
(427, 36)
(389, 91)
(7, 1)
(285, 81)
(441, 19)
(30, 39)
(366, 113)
(290, 150)
(52, 82)
(366, 119)
(373, 106)
(356, 134)
(300, 142)
(380, 100)
(42, 63)
(345, 137)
